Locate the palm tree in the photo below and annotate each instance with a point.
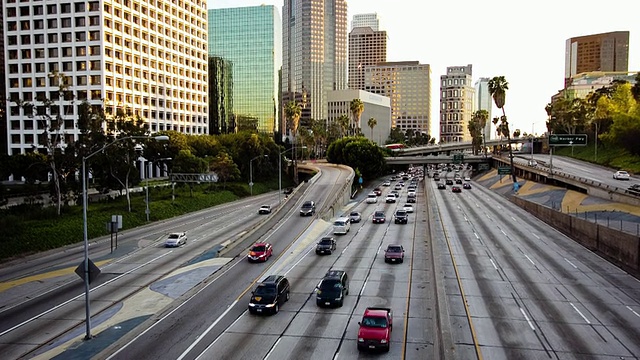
(497, 88)
(481, 117)
(372, 123)
(293, 112)
(357, 107)
(343, 123)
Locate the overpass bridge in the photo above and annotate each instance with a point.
(456, 146)
(437, 159)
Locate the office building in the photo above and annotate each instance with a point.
(145, 59)
(221, 119)
(583, 84)
(366, 47)
(484, 101)
(456, 104)
(375, 106)
(598, 52)
(314, 39)
(3, 90)
(366, 20)
(408, 85)
(250, 38)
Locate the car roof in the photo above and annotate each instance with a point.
(334, 274)
(354, 213)
(261, 244)
(272, 279)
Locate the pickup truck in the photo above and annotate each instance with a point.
(375, 329)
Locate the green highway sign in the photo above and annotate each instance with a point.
(567, 139)
(458, 158)
(504, 171)
(483, 166)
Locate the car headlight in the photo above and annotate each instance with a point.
(319, 292)
(252, 304)
(383, 341)
(270, 305)
(360, 339)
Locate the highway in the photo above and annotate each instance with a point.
(482, 279)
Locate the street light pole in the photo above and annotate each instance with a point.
(148, 211)
(251, 172)
(280, 171)
(532, 124)
(85, 236)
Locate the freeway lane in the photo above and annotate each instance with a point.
(186, 325)
(529, 291)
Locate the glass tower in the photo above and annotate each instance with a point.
(250, 38)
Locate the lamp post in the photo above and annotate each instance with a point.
(84, 222)
(532, 136)
(147, 210)
(280, 171)
(251, 172)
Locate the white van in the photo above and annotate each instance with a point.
(341, 226)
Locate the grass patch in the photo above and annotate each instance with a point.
(32, 228)
(614, 157)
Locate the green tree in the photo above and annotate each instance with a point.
(498, 87)
(357, 107)
(475, 130)
(396, 136)
(358, 153)
(343, 123)
(293, 112)
(224, 166)
(372, 123)
(481, 117)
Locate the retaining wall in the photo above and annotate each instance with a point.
(620, 248)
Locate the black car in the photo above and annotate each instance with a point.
(400, 217)
(269, 295)
(378, 217)
(458, 181)
(326, 245)
(449, 182)
(333, 288)
(466, 186)
(308, 208)
(442, 186)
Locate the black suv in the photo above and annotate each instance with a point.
(333, 288)
(400, 217)
(308, 208)
(326, 245)
(269, 295)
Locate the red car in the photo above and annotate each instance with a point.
(260, 252)
(377, 191)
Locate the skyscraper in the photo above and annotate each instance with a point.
(314, 40)
(366, 20)
(408, 84)
(366, 47)
(598, 52)
(147, 59)
(483, 101)
(250, 38)
(456, 104)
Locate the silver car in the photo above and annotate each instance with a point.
(355, 217)
(176, 239)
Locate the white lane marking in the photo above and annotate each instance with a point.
(298, 262)
(207, 330)
(488, 217)
(494, 264)
(363, 287)
(465, 219)
(527, 318)
(477, 237)
(272, 349)
(537, 237)
(528, 258)
(570, 263)
(635, 313)
(578, 311)
(503, 232)
(514, 219)
(219, 337)
(82, 295)
(171, 312)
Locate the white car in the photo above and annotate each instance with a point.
(264, 209)
(621, 175)
(390, 198)
(372, 198)
(386, 183)
(466, 178)
(408, 208)
(176, 239)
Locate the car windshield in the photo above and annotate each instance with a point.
(622, 173)
(355, 214)
(265, 290)
(174, 236)
(375, 322)
(325, 242)
(330, 284)
(400, 213)
(258, 248)
(394, 249)
(373, 195)
(307, 205)
(379, 214)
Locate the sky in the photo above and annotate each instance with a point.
(522, 41)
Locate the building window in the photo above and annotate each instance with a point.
(53, 38)
(80, 21)
(81, 36)
(67, 66)
(66, 22)
(38, 24)
(65, 8)
(79, 7)
(52, 24)
(66, 37)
